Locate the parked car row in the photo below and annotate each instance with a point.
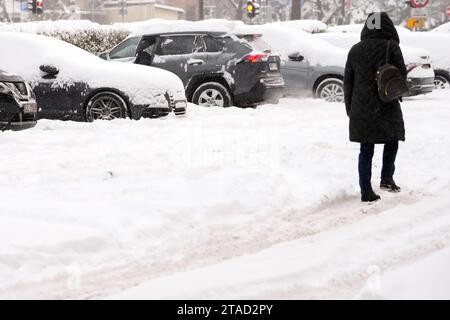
(155, 73)
(69, 83)
(316, 63)
(217, 68)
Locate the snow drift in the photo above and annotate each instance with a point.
(227, 203)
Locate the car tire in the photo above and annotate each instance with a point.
(441, 81)
(331, 90)
(212, 94)
(106, 106)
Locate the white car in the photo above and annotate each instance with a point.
(418, 61)
(72, 84)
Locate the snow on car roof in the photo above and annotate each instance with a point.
(357, 28)
(442, 28)
(310, 26)
(24, 53)
(6, 76)
(158, 26)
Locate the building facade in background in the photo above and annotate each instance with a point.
(139, 10)
(101, 11)
(191, 7)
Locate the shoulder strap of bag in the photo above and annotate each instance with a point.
(387, 51)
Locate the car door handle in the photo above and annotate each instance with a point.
(196, 62)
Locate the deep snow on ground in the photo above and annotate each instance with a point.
(225, 203)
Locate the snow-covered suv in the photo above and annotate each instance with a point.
(217, 68)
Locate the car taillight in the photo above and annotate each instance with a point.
(411, 66)
(254, 58)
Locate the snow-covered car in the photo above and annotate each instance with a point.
(436, 44)
(18, 108)
(217, 69)
(444, 28)
(308, 65)
(72, 84)
(418, 61)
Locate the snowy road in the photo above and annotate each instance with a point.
(225, 203)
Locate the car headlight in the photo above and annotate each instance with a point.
(411, 66)
(17, 89)
(161, 102)
(4, 88)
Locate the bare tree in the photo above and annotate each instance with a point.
(240, 10)
(201, 11)
(4, 12)
(296, 10)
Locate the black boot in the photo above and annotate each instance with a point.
(389, 185)
(369, 196)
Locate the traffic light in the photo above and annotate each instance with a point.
(39, 6)
(252, 9)
(32, 6)
(36, 6)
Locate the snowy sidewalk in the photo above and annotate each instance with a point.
(89, 209)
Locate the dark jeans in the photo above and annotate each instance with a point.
(365, 163)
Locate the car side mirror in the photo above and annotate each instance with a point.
(50, 71)
(296, 57)
(104, 55)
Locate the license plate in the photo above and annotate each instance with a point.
(30, 108)
(273, 66)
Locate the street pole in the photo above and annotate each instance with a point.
(201, 10)
(296, 9)
(301, 9)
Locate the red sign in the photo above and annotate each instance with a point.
(448, 11)
(419, 3)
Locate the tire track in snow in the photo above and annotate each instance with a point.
(217, 243)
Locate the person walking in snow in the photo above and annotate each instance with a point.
(371, 120)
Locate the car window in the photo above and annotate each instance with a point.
(212, 45)
(126, 49)
(176, 45)
(148, 45)
(257, 42)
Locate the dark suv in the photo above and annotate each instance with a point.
(18, 107)
(217, 69)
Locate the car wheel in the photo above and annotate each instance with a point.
(331, 90)
(212, 94)
(106, 106)
(441, 82)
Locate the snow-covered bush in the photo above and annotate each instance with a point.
(94, 41)
(87, 35)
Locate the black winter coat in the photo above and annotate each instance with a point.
(371, 120)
